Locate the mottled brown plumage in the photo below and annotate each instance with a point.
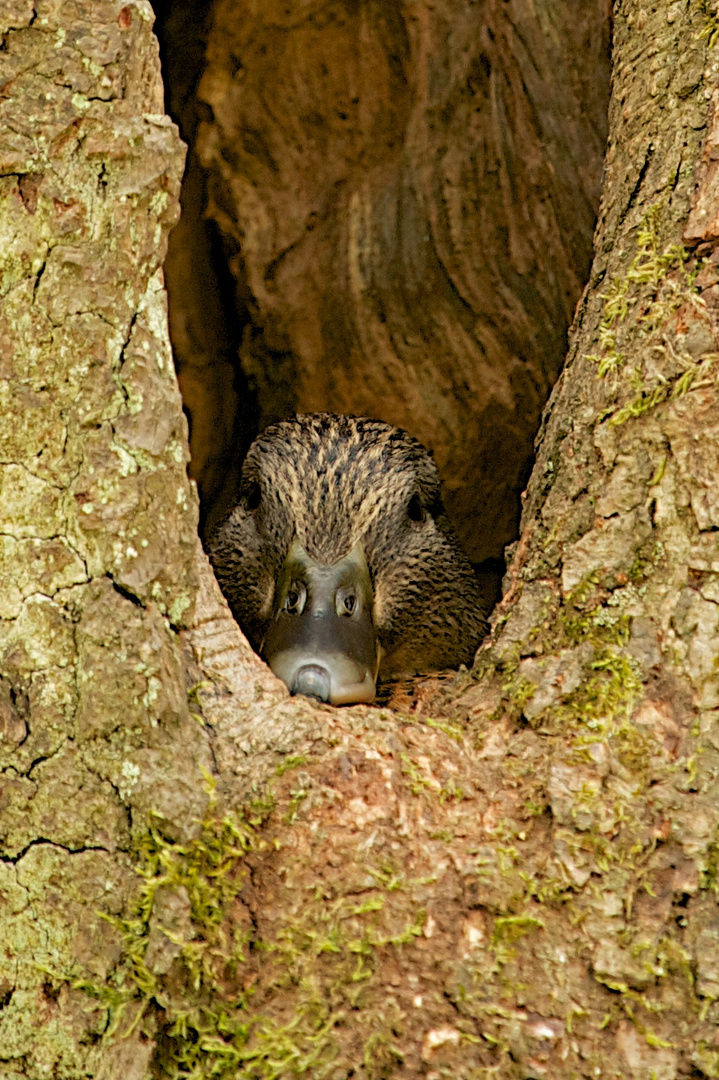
(331, 483)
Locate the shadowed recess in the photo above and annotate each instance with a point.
(387, 211)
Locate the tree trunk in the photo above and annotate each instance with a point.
(405, 193)
(98, 536)
(516, 878)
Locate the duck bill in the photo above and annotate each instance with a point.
(322, 641)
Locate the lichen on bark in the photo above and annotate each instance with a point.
(98, 519)
(515, 877)
(571, 923)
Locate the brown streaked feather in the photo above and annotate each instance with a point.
(333, 481)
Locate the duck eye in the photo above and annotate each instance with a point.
(415, 510)
(295, 600)
(252, 495)
(346, 602)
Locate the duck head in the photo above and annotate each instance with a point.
(338, 560)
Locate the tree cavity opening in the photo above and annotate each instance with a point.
(387, 210)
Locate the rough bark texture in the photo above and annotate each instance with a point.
(518, 878)
(406, 194)
(98, 520)
(205, 322)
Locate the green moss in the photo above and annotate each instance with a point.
(659, 472)
(606, 696)
(298, 796)
(510, 928)
(579, 621)
(418, 782)
(218, 1007)
(380, 1052)
(451, 790)
(453, 731)
(614, 685)
(194, 701)
(648, 269)
(203, 1035)
(260, 808)
(603, 702)
(420, 785)
(445, 835)
(516, 692)
(507, 931)
(649, 398)
(710, 28)
(601, 705)
(387, 878)
(645, 561)
(710, 870)
(643, 402)
(291, 762)
(656, 284)
(705, 1057)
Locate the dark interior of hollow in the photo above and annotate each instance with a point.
(383, 215)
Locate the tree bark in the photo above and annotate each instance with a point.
(516, 878)
(98, 535)
(405, 193)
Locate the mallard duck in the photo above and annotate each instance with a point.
(338, 560)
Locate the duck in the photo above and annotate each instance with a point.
(339, 563)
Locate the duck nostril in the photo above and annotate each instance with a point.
(312, 681)
(346, 602)
(296, 599)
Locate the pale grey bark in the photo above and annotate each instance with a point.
(98, 520)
